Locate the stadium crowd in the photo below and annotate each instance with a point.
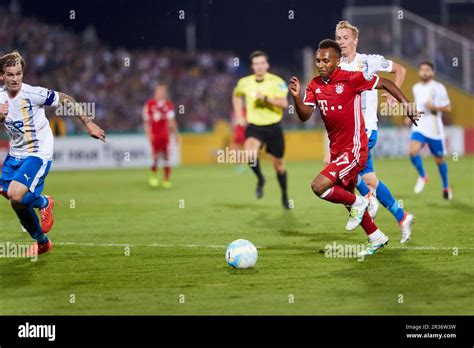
(119, 81)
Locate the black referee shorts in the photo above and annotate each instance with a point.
(270, 135)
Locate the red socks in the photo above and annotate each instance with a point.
(368, 224)
(337, 194)
(167, 172)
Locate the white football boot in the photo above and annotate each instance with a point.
(405, 228)
(373, 204)
(420, 185)
(356, 214)
(371, 248)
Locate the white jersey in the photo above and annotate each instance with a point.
(430, 125)
(369, 64)
(26, 123)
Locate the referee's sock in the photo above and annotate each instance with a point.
(282, 181)
(255, 166)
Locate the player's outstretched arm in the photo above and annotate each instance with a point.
(413, 114)
(303, 111)
(93, 129)
(399, 73)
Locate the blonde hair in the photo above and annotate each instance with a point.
(347, 25)
(11, 59)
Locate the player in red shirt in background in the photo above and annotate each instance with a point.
(336, 93)
(158, 122)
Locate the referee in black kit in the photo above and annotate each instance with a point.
(265, 97)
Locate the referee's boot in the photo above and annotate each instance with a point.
(286, 202)
(259, 190)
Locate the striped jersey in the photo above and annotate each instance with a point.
(26, 123)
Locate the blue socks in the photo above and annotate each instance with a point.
(31, 223)
(443, 171)
(388, 201)
(32, 201)
(384, 196)
(418, 163)
(362, 186)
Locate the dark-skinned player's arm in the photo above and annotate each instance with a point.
(93, 129)
(411, 112)
(303, 111)
(399, 73)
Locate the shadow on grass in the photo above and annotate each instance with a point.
(243, 272)
(251, 206)
(17, 273)
(387, 275)
(455, 205)
(284, 221)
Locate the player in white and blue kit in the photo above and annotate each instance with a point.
(31, 148)
(368, 184)
(432, 98)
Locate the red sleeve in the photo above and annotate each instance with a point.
(363, 82)
(309, 95)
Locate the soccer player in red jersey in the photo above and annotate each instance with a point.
(336, 93)
(158, 122)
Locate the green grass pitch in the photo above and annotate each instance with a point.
(177, 239)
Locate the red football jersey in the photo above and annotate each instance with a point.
(157, 113)
(339, 101)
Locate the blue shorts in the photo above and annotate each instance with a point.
(436, 146)
(31, 171)
(369, 167)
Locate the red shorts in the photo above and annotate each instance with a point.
(344, 168)
(160, 145)
(239, 134)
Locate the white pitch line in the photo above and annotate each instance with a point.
(214, 246)
(156, 245)
(430, 248)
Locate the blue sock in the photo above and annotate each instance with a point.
(418, 163)
(362, 186)
(443, 170)
(32, 201)
(388, 201)
(31, 223)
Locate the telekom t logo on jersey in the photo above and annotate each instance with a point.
(323, 106)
